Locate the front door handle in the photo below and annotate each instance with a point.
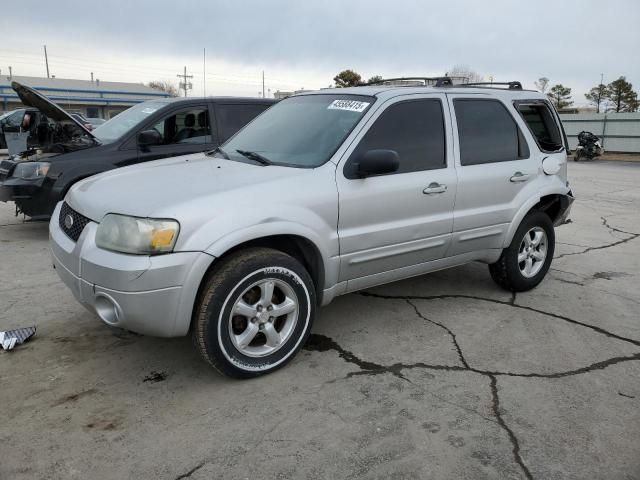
(519, 177)
(434, 188)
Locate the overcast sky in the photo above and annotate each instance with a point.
(305, 43)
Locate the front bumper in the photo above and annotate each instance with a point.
(151, 295)
(30, 196)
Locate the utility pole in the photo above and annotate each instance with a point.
(91, 77)
(204, 72)
(46, 60)
(184, 84)
(10, 72)
(262, 83)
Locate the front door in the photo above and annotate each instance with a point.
(184, 131)
(405, 218)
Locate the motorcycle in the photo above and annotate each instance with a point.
(589, 147)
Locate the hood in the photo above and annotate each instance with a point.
(170, 188)
(32, 98)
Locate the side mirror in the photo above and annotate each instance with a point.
(377, 162)
(149, 137)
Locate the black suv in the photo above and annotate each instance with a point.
(60, 151)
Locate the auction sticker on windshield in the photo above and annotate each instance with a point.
(349, 105)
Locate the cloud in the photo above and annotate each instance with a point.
(571, 42)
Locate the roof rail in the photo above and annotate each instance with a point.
(510, 85)
(426, 81)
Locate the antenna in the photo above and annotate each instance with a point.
(184, 84)
(46, 60)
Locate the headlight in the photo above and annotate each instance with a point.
(141, 236)
(30, 170)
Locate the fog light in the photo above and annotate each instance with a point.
(107, 309)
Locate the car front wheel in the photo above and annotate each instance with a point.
(254, 312)
(525, 262)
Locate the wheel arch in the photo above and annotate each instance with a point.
(554, 204)
(299, 246)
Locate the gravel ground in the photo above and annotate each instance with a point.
(441, 376)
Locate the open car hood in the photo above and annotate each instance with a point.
(32, 98)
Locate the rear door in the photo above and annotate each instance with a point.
(405, 218)
(497, 171)
(233, 116)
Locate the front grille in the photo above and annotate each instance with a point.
(71, 222)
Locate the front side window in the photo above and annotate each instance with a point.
(540, 121)
(185, 126)
(301, 131)
(487, 132)
(414, 129)
(124, 122)
(232, 117)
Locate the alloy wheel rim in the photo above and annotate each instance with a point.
(532, 252)
(263, 317)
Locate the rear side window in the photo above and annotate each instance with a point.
(487, 132)
(232, 118)
(539, 119)
(414, 129)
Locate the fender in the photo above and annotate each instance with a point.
(527, 206)
(330, 263)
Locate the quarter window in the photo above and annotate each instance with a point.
(487, 133)
(414, 129)
(540, 121)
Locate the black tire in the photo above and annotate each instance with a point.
(506, 271)
(212, 328)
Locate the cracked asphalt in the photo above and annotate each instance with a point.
(438, 377)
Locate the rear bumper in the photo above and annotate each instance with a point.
(151, 295)
(566, 201)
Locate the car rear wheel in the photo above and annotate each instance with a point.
(254, 312)
(525, 262)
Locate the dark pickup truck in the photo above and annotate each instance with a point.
(60, 151)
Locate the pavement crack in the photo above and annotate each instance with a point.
(595, 328)
(191, 472)
(495, 405)
(322, 343)
(447, 329)
(631, 236)
(568, 373)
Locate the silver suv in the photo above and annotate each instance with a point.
(321, 195)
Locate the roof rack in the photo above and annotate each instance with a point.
(415, 81)
(510, 85)
(444, 82)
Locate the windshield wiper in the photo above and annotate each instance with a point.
(255, 156)
(220, 151)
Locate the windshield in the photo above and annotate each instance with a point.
(125, 121)
(302, 131)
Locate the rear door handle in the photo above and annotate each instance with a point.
(434, 188)
(519, 177)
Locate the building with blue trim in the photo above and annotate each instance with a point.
(91, 98)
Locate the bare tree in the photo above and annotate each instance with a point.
(560, 96)
(164, 86)
(465, 71)
(542, 84)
